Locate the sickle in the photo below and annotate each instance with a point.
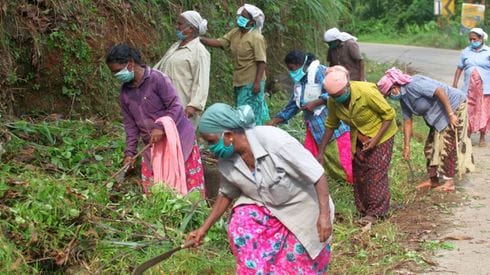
(155, 260)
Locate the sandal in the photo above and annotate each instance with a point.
(483, 144)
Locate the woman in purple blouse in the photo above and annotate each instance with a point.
(147, 95)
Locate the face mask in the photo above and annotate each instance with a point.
(475, 44)
(332, 44)
(299, 73)
(220, 150)
(342, 98)
(242, 22)
(395, 97)
(180, 35)
(124, 75)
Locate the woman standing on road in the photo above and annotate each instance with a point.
(147, 95)
(187, 63)
(447, 148)
(475, 61)
(248, 57)
(372, 124)
(310, 97)
(282, 216)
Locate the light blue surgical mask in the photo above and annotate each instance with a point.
(242, 22)
(180, 35)
(395, 97)
(342, 98)
(475, 44)
(220, 150)
(299, 73)
(124, 75)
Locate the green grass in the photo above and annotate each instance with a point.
(56, 216)
(428, 35)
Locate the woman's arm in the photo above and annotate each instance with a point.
(457, 75)
(219, 207)
(210, 42)
(321, 149)
(324, 225)
(372, 142)
(442, 96)
(258, 76)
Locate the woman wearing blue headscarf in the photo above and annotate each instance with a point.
(282, 216)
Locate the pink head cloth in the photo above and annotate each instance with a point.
(336, 79)
(391, 77)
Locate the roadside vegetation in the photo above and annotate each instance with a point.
(407, 23)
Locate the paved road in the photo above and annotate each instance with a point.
(472, 219)
(439, 64)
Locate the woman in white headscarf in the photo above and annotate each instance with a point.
(187, 63)
(344, 50)
(475, 61)
(248, 51)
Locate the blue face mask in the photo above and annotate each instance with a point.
(180, 35)
(342, 98)
(124, 75)
(395, 97)
(220, 150)
(332, 44)
(242, 22)
(475, 44)
(299, 73)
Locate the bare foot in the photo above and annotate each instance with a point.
(425, 185)
(448, 186)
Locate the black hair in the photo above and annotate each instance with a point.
(477, 34)
(298, 57)
(122, 53)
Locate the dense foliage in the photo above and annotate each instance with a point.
(54, 50)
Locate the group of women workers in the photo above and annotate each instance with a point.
(282, 216)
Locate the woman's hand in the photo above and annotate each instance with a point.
(324, 226)
(129, 160)
(369, 144)
(156, 135)
(310, 106)
(406, 152)
(197, 235)
(274, 121)
(453, 120)
(190, 111)
(256, 87)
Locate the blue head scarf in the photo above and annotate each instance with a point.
(220, 117)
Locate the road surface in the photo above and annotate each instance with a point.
(472, 219)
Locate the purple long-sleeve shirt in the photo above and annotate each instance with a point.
(141, 106)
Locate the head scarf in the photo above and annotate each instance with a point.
(391, 77)
(480, 32)
(220, 117)
(336, 79)
(334, 34)
(256, 14)
(195, 19)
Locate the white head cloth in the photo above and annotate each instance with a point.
(334, 34)
(195, 19)
(256, 14)
(480, 32)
